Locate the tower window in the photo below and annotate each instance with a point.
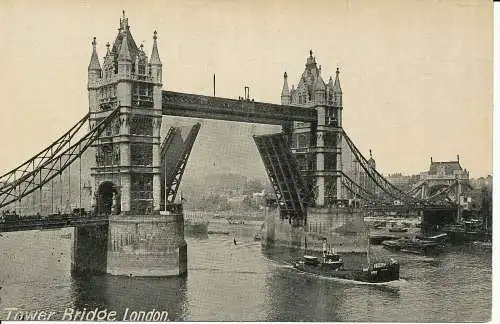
(141, 125)
(141, 154)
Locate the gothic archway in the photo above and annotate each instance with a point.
(108, 201)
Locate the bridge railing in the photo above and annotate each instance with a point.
(445, 177)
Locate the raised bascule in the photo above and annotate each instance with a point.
(135, 226)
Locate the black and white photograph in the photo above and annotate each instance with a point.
(246, 161)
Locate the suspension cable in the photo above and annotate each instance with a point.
(46, 154)
(29, 180)
(80, 185)
(372, 173)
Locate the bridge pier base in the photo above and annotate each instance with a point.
(90, 246)
(343, 228)
(147, 245)
(435, 218)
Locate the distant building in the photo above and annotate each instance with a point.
(482, 182)
(446, 173)
(399, 180)
(448, 170)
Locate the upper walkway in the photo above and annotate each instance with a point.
(242, 110)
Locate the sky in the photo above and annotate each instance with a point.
(417, 76)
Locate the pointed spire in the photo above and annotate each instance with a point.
(336, 85)
(124, 52)
(94, 60)
(371, 161)
(107, 48)
(155, 57)
(319, 84)
(285, 91)
(330, 82)
(123, 22)
(311, 61)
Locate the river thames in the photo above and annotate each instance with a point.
(228, 282)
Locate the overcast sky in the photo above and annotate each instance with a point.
(416, 75)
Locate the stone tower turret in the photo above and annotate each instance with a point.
(155, 62)
(126, 174)
(94, 69)
(94, 76)
(317, 146)
(285, 92)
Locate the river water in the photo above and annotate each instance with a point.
(228, 282)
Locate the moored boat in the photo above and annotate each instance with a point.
(398, 228)
(440, 237)
(377, 239)
(412, 245)
(466, 231)
(484, 245)
(219, 232)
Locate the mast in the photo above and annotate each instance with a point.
(367, 233)
(368, 252)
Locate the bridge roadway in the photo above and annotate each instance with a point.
(242, 110)
(57, 221)
(45, 223)
(403, 209)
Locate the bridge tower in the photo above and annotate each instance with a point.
(318, 146)
(126, 173)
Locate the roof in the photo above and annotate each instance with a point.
(124, 52)
(448, 166)
(330, 83)
(336, 85)
(155, 57)
(319, 84)
(117, 45)
(285, 91)
(94, 60)
(308, 79)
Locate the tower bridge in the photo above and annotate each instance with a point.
(135, 175)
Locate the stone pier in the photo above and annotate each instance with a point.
(147, 245)
(90, 247)
(343, 228)
(132, 245)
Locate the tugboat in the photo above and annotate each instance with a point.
(328, 265)
(332, 266)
